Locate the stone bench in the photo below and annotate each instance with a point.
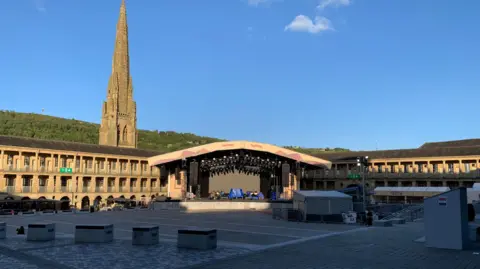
(3, 230)
(28, 213)
(41, 232)
(382, 223)
(83, 211)
(48, 212)
(97, 233)
(147, 235)
(67, 211)
(197, 239)
(398, 221)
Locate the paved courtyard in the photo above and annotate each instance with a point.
(246, 239)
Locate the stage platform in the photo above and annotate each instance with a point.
(222, 205)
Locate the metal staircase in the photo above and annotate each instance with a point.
(410, 213)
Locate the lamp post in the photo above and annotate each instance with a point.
(362, 163)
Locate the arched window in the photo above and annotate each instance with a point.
(118, 134)
(125, 133)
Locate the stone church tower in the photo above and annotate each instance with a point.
(119, 113)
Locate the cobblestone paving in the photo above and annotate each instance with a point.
(118, 255)
(374, 248)
(9, 262)
(378, 248)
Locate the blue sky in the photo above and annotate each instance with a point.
(360, 74)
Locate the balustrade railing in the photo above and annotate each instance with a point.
(336, 174)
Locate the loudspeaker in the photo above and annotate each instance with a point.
(193, 173)
(163, 172)
(285, 174)
(177, 174)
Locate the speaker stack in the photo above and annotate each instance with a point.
(285, 174)
(193, 173)
(163, 172)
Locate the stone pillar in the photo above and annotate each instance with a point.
(149, 185)
(116, 184)
(35, 184)
(93, 184)
(72, 183)
(127, 184)
(58, 183)
(79, 184)
(105, 184)
(18, 183)
(183, 183)
(50, 187)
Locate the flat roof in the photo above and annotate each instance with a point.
(412, 189)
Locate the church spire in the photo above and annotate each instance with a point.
(121, 62)
(119, 120)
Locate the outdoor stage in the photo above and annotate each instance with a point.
(222, 205)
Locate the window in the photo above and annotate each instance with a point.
(26, 161)
(392, 168)
(467, 167)
(435, 167)
(56, 161)
(405, 168)
(102, 165)
(134, 166)
(42, 161)
(380, 168)
(145, 167)
(9, 160)
(450, 167)
(114, 165)
(420, 167)
(77, 163)
(64, 162)
(89, 164)
(124, 166)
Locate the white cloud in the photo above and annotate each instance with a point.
(256, 3)
(303, 23)
(40, 5)
(333, 3)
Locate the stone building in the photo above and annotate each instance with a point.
(83, 173)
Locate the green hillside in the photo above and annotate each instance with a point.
(54, 128)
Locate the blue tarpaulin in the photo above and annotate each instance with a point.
(235, 194)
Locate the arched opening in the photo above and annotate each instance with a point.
(85, 202)
(64, 203)
(97, 202)
(41, 198)
(110, 200)
(152, 197)
(8, 198)
(133, 201)
(118, 134)
(122, 196)
(124, 136)
(143, 200)
(25, 198)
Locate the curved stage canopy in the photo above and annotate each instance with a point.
(238, 145)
